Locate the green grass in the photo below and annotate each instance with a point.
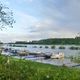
(19, 69)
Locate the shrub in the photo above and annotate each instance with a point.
(34, 46)
(46, 47)
(74, 48)
(61, 47)
(40, 47)
(53, 47)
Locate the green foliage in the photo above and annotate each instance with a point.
(46, 47)
(61, 47)
(40, 47)
(54, 41)
(6, 17)
(53, 47)
(34, 46)
(74, 48)
(14, 45)
(19, 69)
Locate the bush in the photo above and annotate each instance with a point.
(46, 47)
(74, 48)
(52, 47)
(61, 47)
(34, 46)
(40, 47)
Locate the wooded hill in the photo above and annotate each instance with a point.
(51, 41)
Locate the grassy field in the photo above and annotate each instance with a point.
(17, 69)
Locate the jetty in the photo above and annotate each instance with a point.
(14, 52)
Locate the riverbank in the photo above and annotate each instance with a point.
(19, 69)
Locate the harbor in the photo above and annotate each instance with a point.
(37, 54)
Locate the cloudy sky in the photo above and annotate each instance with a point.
(39, 19)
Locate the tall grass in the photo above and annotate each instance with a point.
(18, 69)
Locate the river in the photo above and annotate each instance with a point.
(36, 48)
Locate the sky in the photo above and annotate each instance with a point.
(42, 19)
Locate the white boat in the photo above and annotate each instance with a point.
(23, 53)
(57, 56)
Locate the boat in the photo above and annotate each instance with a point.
(40, 54)
(37, 54)
(57, 56)
(23, 53)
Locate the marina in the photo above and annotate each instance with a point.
(48, 55)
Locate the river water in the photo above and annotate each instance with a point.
(36, 48)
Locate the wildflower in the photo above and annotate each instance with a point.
(8, 61)
(47, 76)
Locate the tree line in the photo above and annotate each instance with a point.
(51, 41)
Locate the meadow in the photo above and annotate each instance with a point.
(21, 69)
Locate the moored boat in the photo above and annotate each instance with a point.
(23, 53)
(57, 56)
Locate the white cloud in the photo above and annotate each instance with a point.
(22, 1)
(21, 28)
(44, 26)
(59, 18)
(24, 21)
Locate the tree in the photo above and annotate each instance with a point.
(6, 17)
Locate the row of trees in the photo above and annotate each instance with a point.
(60, 41)
(53, 41)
